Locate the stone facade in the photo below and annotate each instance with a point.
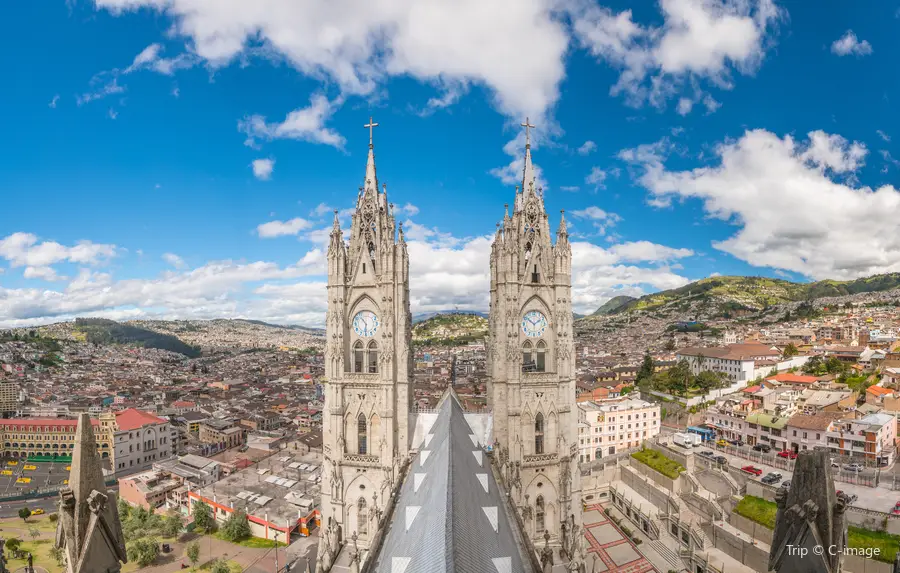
(368, 365)
(531, 365)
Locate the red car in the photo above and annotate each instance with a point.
(787, 454)
(752, 470)
(896, 510)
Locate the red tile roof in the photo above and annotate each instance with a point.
(13, 422)
(789, 378)
(132, 419)
(751, 389)
(879, 390)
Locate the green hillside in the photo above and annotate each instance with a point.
(450, 329)
(613, 305)
(103, 331)
(733, 294)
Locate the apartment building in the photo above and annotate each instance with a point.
(613, 426)
(736, 361)
(870, 439)
(806, 432)
(141, 439)
(46, 436)
(147, 489)
(222, 433)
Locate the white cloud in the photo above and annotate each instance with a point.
(357, 44)
(849, 44)
(24, 249)
(262, 168)
(511, 174)
(698, 40)
(797, 204)
(150, 59)
(596, 178)
(320, 210)
(282, 228)
(174, 260)
(111, 87)
(883, 135)
(54, 101)
(570, 188)
(587, 148)
(43, 273)
(307, 124)
(600, 219)
(409, 210)
(685, 105)
(112, 114)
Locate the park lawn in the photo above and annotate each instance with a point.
(757, 509)
(233, 565)
(659, 462)
(864, 538)
(252, 542)
(40, 553)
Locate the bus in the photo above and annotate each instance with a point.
(706, 434)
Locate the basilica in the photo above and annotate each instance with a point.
(406, 491)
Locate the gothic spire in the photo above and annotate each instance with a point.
(563, 229)
(86, 475)
(371, 178)
(528, 178)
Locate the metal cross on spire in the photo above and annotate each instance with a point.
(371, 126)
(527, 126)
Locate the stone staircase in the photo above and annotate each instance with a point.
(663, 551)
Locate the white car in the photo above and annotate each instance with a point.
(854, 467)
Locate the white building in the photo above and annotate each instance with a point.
(736, 361)
(613, 426)
(141, 439)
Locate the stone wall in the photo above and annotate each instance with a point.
(640, 485)
(751, 528)
(754, 556)
(681, 455)
(665, 482)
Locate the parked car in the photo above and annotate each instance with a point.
(896, 510)
(764, 448)
(707, 454)
(722, 460)
(752, 470)
(787, 454)
(722, 443)
(786, 484)
(835, 465)
(38, 511)
(738, 442)
(854, 467)
(771, 478)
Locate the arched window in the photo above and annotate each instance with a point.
(372, 358)
(539, 434)
(527, 359)
(540, 360)
(358, 356)
(362, 521)
(361, 433)
(539, 515)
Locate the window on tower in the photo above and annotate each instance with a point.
(527, 358)
(372, 358)
(539, 434)
(361, 434)
(362, 520)
(535, 276)
(358, 356)
(539, 514)
(540, 360)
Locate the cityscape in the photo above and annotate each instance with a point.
(459, 310)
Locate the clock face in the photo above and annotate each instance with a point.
(534, 323)
(365, 323)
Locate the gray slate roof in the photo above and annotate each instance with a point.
(450, 515)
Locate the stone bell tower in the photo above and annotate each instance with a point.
(531, 364)
(368, 394)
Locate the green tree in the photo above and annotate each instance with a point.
(124, 509)
(13, 543)
(193, 553)
(679, 378)
(709, 380)
(170, 526)
(24, 513)
(57, 554)
(646, 370)
(143, 551)
(670, 344)
(34, 533)
(220, 566)
(203, 516)
(814, 366)
(790, 350)
(236, 527)
(835, 366)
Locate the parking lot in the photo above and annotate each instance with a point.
(19, 476)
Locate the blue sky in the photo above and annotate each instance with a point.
(181, 159)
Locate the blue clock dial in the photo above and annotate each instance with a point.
(534, 323)
(365, 323)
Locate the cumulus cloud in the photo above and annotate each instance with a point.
(42, 273)
(850, 45)
(357, 44)
(174, 260)
(306, 124)
(25, 249)
(698, 40)
(797, 204)
(150, 59)
(587, 148)
(262, 168)
(281, 228)
(596, 178)
(600, 219)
